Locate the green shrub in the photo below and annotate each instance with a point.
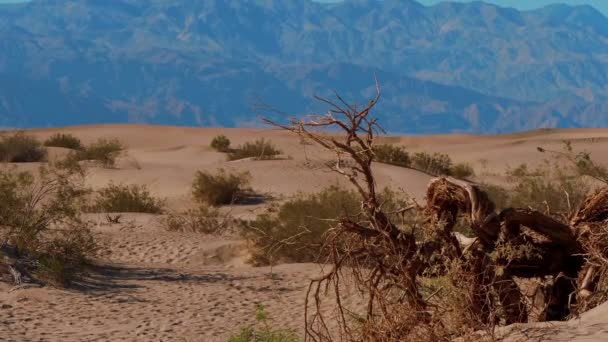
(21, 148)
(65, 141)
(390, 154)
(221, 188)
(204, 219)
(260, 149)
(497, 194)
(435, 164)
(104, 151)
(462, 170)
(549, 188)
(262, 331)
(121, 198)
(221, 143)
(297, 231)
(41, 220)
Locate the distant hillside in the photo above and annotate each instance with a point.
(470, 67)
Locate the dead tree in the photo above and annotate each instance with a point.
(386, 261)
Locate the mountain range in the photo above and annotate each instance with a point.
(451, 67)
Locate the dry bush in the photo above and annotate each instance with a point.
(296, 232)
(104, 151)
(122, 198)
(65, 141)
(221, 188)
(462, 171)
(21, 148)
(551, 188)
(434, 164)
(391, 154)
(204, 219)
(260, 149)
(221, 143)
(42, 227)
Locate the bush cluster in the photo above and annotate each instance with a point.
(221, 188)
(295, 233)
(121, 198)
(260, 149)
(221, 143)
(438, 164)
(65, 141)
(104, 151)
(391, 154)
(41, 220)
(204, 219)
(435, 164)
(21, 148)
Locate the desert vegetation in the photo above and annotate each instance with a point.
(221, 143)
(221, 188)
(260, 149)
(434, 164)
(21, 148)
(65, 141)
(103, 151)
(425, 285)
(45, 237)
(122, 198)
(263, 330)
(203, 219)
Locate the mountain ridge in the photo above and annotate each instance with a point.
(449, 67)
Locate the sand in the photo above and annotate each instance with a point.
(154, 285)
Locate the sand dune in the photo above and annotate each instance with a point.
(153, 285)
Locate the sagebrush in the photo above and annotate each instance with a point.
(260, 149)
(104, 151)
(65, 141)
(126, 198)
(221, 188)
(21, 148)
(42, 223)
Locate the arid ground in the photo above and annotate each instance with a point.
(152, 285)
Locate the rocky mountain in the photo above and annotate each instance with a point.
(467, 67)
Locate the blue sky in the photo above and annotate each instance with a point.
(602, 5)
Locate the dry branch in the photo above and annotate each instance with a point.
(385, 261)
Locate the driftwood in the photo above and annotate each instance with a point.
(559, 248)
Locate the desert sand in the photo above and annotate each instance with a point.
(154, 285)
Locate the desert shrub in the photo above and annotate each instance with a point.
(391, 154)
(548, 188)
(121, 198)
(221, 143)
(204, 219)
(220, 188)
(65, 141)
(295, 233)
(260, 149)
(21, 148)
(462, 170)
(262, 331)
(497, 194)
(435, 164)
(41, 221)
(104, 151)
(296, 230)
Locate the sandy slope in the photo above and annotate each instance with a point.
(152, 285)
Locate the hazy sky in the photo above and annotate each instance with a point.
(602, 5)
